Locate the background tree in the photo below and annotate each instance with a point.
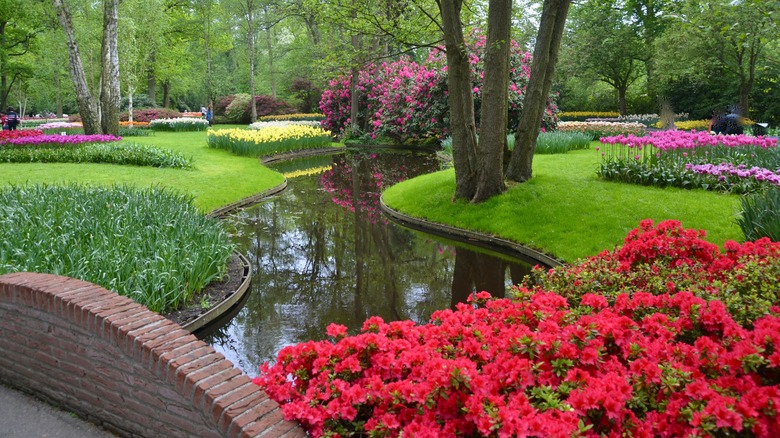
(603, 44)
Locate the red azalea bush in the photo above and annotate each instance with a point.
(643, 364)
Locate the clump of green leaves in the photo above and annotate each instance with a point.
(151, 245)
(560, 142)
(761, 215)
(108, 153)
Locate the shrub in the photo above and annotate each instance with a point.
(671, 364)
(149, 114)
(180, 124)
(268, 106)
(151, 245)
(308, 94)
(269, 141)
(406, 101)
(760, 215)
(109, 153)
(580, 116)
(236, 111)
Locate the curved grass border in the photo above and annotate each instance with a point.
(482, 240)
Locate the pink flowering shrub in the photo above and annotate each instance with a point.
(659, 363)
(404, 100)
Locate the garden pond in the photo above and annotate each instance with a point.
(323, 252)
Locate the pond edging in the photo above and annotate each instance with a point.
(217, 311)
(483, 240)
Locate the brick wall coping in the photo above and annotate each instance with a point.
(115, 363)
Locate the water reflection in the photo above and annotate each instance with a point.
(322, 252)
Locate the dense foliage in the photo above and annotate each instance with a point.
(551, 364)
(760, 215)
(403, 100)
(237, 108)
(150, 245)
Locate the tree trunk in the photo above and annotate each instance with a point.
(622, 100)
(253, 103)
(495, 97)
(88, 108)
(58, 87)
(109, 76)
(460, 99)
(151, 81)
(3, 67)
(166, 94)
(130, 106)
(271, 62)
(548, 42)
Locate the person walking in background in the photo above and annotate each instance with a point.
(3, 121)
(209, 114)
(12, 119)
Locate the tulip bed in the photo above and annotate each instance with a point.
(269, 140)
(179, 124)
(600, 129)
(647, 340)
(728, 163)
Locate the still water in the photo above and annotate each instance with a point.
(322, 252)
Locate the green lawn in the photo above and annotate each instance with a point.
(218, 177)
(565, 210)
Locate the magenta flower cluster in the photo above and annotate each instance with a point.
(52, 140)
(723, 170)
(671, 140)
(404, 100)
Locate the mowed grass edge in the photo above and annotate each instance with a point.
(565, 210)
(216, 179)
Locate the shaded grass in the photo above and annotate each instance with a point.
(565, 210)
(217, 177)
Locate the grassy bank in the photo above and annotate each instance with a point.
(217, 177)
(565, 210)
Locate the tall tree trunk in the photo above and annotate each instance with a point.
(166, 94)
(354, 100)
(88, 108)
(151, 81)
(4, 89)
(548, 42)
(622, 100)
(109, 76)
(58, 87)
(460, 99)
(495, 98)
(253, 103)
(271, 61)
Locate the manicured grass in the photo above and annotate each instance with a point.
(565, 210)
(217, 177)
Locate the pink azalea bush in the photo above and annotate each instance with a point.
(650, 359)
(404, 100)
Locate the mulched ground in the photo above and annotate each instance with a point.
(215, 293)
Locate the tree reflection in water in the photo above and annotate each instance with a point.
(322, 252)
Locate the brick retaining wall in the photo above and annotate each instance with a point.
(115, 363)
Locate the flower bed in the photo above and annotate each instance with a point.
(688, 159)
(60, 125)
(315, 117)
(180, 124)
(269, 141)
(134, 124)
(283, 123)
(6, 136)
(49, 140)
(559, 363)
(600, 129)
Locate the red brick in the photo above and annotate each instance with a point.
(205, 385)
(161, 362)
(153, 347)
(204, 357)
(245, 411)
(223, 389)
(223, 403)
(193, 379)
(263, 424)
(295, 432)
